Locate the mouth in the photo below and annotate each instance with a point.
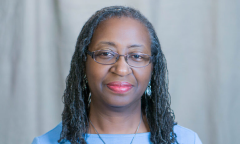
(119, 87)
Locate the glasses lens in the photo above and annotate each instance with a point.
(138, 60)
(105, 57)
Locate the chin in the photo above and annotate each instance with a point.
(120, 101)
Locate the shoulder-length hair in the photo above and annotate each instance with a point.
(156, 107)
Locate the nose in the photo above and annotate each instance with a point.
(121, 67)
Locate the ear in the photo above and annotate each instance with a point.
(151, 68)
(85, 55)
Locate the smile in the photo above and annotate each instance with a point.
(119, 87)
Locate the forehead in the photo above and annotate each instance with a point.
(122, 32)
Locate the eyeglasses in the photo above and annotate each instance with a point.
(108, 57)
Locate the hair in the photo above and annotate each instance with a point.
(156, 107)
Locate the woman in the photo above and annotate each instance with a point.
(117, 89)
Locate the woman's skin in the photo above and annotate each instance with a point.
(112, 112)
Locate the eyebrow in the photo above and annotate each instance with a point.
(107, 43)
(135, 45)
(113, 44)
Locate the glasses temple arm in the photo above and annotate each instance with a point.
(90, 53)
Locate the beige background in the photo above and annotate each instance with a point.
(200, 38)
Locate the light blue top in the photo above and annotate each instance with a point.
(184, 136)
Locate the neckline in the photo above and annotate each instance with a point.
(119, 135)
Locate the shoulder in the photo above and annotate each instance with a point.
(50, 137)
(186, 136)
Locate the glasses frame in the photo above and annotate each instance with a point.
(92, 54)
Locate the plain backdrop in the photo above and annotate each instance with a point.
(200, 39)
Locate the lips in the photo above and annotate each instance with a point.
(119, 87)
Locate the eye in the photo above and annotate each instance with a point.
(107, 54)
(104, 54)
(136, 57)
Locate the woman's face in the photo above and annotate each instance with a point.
(118, 84)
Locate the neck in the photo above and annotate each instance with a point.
(117, 120)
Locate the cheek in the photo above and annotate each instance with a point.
(95, 73)
(142, 75)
